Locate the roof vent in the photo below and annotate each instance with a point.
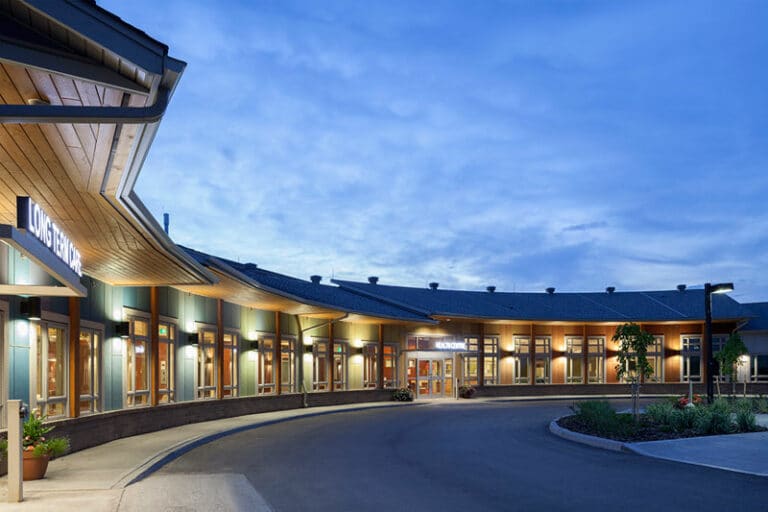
(610, 289)
(434, 285)
(550, 290)
(490, 289)
(315, 279)
(373, 279)
(681, 287)
(251, 266)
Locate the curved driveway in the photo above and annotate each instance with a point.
(461, 456)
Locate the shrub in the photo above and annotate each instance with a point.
(599, 416)
(402, 395)
(3, 448)
(466, 391)
(760, 405)
(714, 420)
(745, 420)
(684, 419)
(660, 413)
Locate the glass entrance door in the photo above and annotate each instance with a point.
(431, 378)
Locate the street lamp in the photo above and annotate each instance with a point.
(709, 289)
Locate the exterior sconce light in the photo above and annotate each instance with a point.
(193, 338)
(307, 349)
(31, 308)
(123, 329)
(253, 345)
(358, 351)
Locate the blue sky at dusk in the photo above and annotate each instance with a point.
(520, 144)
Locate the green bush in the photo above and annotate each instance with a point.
(714, 420)
(760, 405)
(600, 418)
(745, 420)
(3, 448)
(402, 395)
(684, 419)
(661, 413)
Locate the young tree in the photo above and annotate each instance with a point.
(633, 364)
(729, 359)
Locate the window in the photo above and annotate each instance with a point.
(543, 359)
(491, 360)
(691, 355)
(340, 357)
(165, 355)
(137, 364)
(759, 368)
(655, 356)
(206, 364)
(574, 360)
(51, 354)
(718, 342)
(320, 366)
(390, 366)
(287, 365)
(267, 366)
(370, 363)
(596, 359)
(229, 353)
(521, 360)
(90, 370)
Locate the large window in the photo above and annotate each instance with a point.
(521, 360)
(206, 364)
(390, 366)
(491, 360)
(137, 364)
(574, 360)
(759, 368)
(691, 356)
(320, 366)
(340, 358)
(90, 370)
(718, 342)
(267, 366)
(287, 365)
(165, 353)
(543, 359)
(229, 379)
(655, 356)
(596, 359)
(370, 365)
(51, 383)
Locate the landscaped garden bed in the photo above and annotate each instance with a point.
(667, 419)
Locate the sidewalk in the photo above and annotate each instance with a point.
(96, 479)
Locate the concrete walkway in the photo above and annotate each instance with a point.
(98, 479)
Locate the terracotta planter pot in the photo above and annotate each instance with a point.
(34, 467)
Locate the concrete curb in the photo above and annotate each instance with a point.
(634, 448)
(596, 442)
(175, 451)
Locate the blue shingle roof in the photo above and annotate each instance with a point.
(759, 311)
(310, 293)
(596, 307)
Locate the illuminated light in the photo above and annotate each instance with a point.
(744, 358)
(358, 343)
(117, 346)
(33, 219)
(308, 340)
(139, 349)
(191, 326)
(253, 355)
(450, 345)
(22, 328)
(307, 357)
(190, 351)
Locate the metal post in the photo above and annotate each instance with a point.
(15, 430)
(708, 341)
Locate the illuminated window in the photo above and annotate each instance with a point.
(206, 364)
(596, 359)
(574, 360)
(543, 359)
(229, 379)
(90, 370)
(137, 364)
(166, 377)
(267, 365)
(340, 359)
(288, 365)
(390, 366)
(370, 365)
(521, 359)
(759, 368)
(51, 353)
(691, 355)
(320, 365)
(491, 360)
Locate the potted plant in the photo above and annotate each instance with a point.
(402, 395)
(39, 449)
(466, 391)
(3, 456)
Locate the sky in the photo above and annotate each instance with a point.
(524, 145)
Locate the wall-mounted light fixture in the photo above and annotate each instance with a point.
(193, 338)
(31, 308)
(123, 329)
(253, 345)
(359, 351)
(307, 349)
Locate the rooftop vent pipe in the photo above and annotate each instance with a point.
(681, 287)
(550, 290)
(373, 279)
(166, 222)
(490, 289)
(315, 279)
(610, 289)
(434, 285)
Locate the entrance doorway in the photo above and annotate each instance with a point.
(431, 377)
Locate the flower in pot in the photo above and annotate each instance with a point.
(466, 391)
(39, 449)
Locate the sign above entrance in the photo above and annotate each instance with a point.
(450, 343)
(32, 218)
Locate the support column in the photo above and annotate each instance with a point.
(278, 355)
(585, 349)
(154, 344)
(330, 357)
(15, 461)
(481, 354)
(75, 365)
(380, 359)
(532, 358)
(220, 349)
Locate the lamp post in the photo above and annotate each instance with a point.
(709, 289)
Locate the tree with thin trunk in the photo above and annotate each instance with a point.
(730, 359)
(633, 364)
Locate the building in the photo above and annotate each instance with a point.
(111, 329)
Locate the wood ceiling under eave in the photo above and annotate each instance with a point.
(63, 168)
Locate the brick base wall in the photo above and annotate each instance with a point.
(545, 390)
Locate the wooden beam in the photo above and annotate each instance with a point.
(380, 359)
(330, 362)
(532, 358)
(278, 355)
(75, 365)
(220, 349)
(585, 348)
(154, 343)
(481, 354)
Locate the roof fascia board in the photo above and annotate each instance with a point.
(105, 30)
(67, 65)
